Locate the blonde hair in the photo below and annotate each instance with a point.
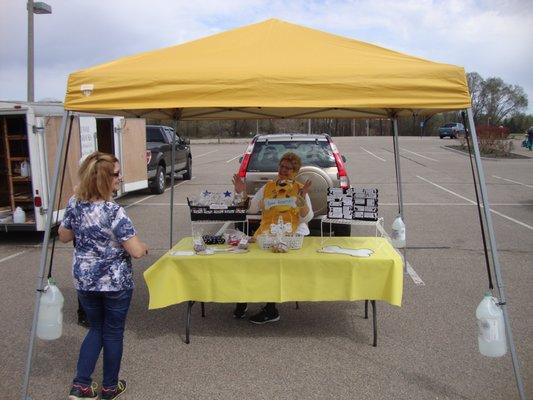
(96, 177)
(294, 159)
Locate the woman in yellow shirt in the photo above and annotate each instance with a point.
(285, 198)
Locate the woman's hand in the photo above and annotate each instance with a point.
(305, 189)
(238, 184)
(135, 247)
(300, 200)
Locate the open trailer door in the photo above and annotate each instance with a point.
(130, 139)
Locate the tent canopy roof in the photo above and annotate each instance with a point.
(272, 69)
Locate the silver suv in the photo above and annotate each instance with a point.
(322, 164)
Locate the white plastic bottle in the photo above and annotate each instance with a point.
(19, 216)
(491, 336)
(24, 169)
(398, 233)
(50, 318)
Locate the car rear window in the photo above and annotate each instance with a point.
(449, 125)
(154, 135)
(266, 155)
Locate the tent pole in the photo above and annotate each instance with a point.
(398, 180)
(61, 152)
(172, 181)
(397, 166)
(494, 254)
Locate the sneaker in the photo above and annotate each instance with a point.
(240, 310)
(82, 392)
(111, 394)
(263, 317)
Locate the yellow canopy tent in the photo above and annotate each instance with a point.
(271, 69)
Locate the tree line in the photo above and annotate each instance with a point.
(494, 103)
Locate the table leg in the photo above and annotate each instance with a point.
(188, 325)
(374, 322)
(366, 309)
(203, 309)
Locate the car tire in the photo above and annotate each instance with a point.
(453, 137)
(442, 137)
(188, 172)
(158, 186)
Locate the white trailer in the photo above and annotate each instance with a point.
(28, 140)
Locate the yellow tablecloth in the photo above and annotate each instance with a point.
(263, 276)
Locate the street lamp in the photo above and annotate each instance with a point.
(33, 8)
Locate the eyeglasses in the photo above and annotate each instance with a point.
(116, 174)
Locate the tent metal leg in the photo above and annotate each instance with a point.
(188, 325)
(399, 181)
(366, 309)
(172, 181)
(494, 254)
(203, 309)
(60, 154)
(374, 323)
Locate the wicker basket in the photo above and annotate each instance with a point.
(266, 241)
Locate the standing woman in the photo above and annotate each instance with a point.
(105, 242)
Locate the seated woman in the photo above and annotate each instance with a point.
(285, 198)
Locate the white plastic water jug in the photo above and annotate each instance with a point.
(50, 318)
(24, 169)
(19, 216)
(491, 336)
(398, 233)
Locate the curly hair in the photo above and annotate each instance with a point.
(294, 159)
(96, 177)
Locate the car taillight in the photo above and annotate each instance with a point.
(148, 156)
(37, 201)
(343, 177)
(246, 160)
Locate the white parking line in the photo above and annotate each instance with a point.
(510, 180)
(419, 155)
(414, 276)
(372, 154)
(153, 195)
(201, 155)
(231, 159)
(12, 256)
(473, 202)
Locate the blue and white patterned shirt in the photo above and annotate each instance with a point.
(100, 263)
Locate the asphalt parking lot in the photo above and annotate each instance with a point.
(427, 348)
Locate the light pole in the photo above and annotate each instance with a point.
(33, 8)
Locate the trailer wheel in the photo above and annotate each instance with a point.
(159, 181)
(188, 172)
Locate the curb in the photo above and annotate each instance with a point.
(486, 158)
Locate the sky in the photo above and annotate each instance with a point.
(491, 37)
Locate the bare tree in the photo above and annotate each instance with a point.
(493, 100)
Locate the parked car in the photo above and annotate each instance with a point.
(158, 156)
(321, 163)
(452, 130)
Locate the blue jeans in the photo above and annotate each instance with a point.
(106, 312)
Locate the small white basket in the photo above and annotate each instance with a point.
(294, 242)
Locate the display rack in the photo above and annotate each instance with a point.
(378, 224)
